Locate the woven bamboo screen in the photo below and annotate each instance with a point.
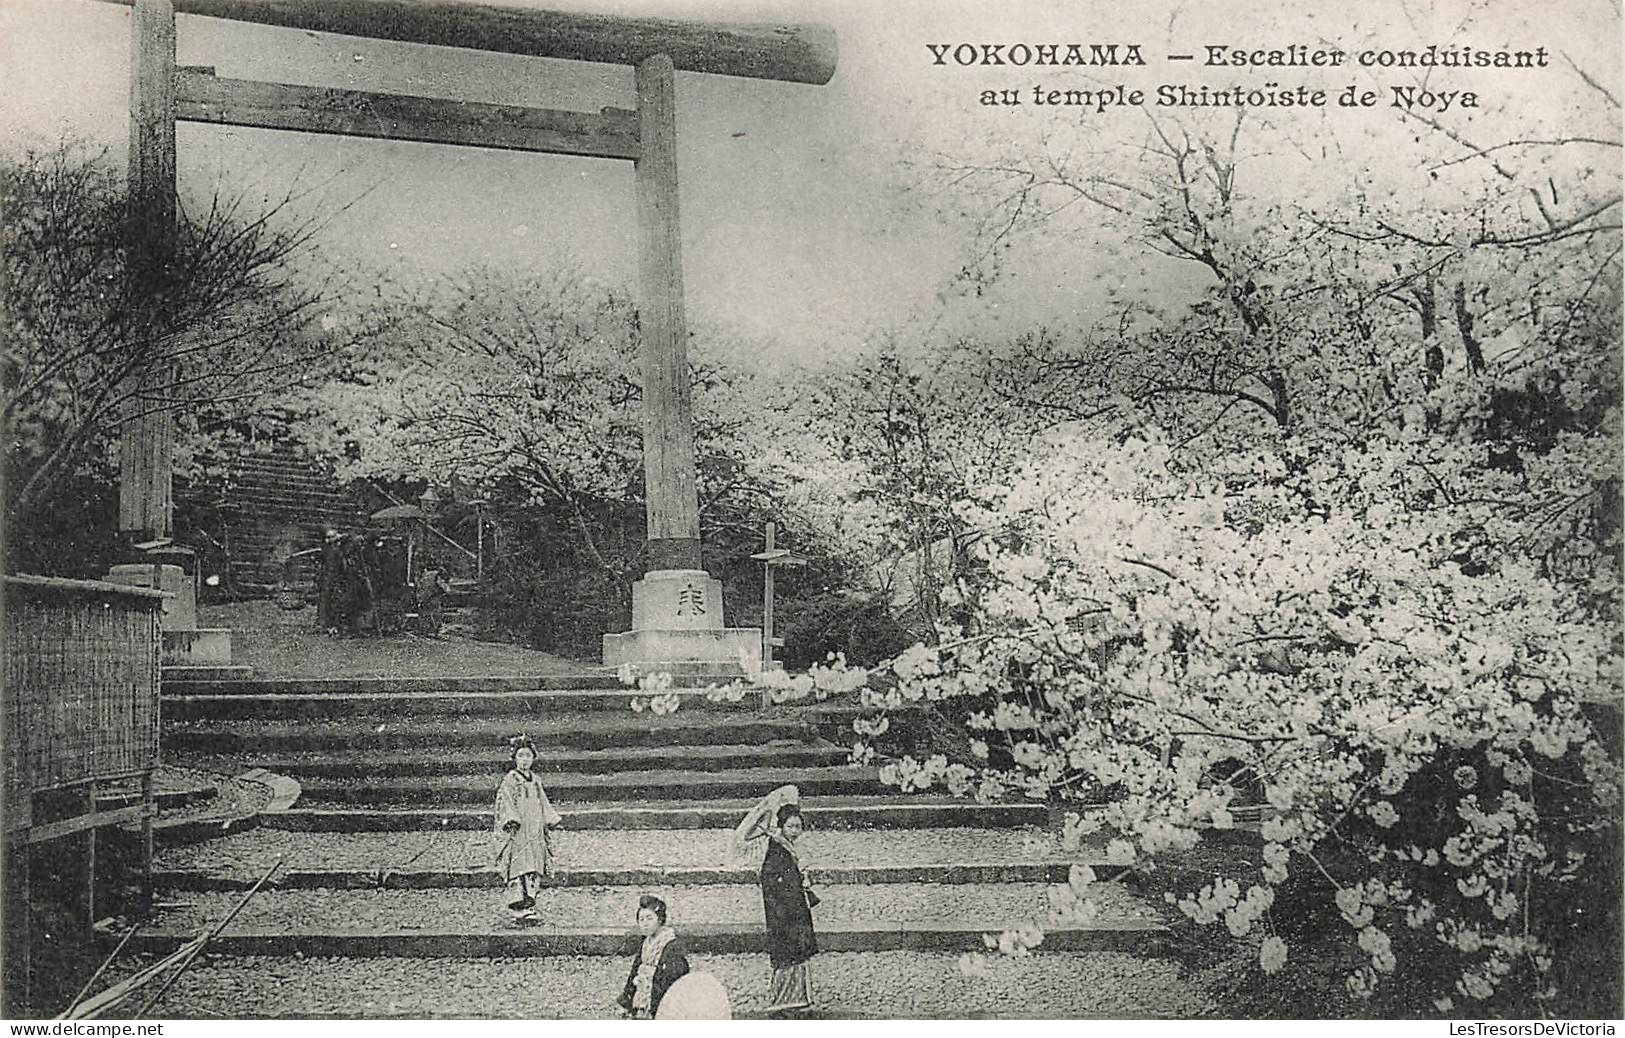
(81, 684)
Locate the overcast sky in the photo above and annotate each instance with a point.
(797, 220)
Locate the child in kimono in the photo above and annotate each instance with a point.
(523, 814)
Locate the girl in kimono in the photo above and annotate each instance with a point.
(787, 903)
(523, 814)
(659, 961)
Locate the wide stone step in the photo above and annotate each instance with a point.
(463, 860)
(493, 763)
(277, 462)
(578, 731)
(540, 702)
(306, 508)
(681, 854)
(891, 811)
(482, 877)
(598, 680)
(1135, 937)
(573, 787)
(289, 477)
(597, 920)
(291, 485)
(908, 985)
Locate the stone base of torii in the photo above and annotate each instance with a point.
(678, 627)
(185, 644)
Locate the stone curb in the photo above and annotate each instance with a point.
(180, 831)
(249, 706)
(375, 764)
(574, 682)
(183, 831)
(486, 733)
(284, 790)
(167, 801)
(442, 879)
(184, 674)
(705, 816)
(1146, 938)
(671, 784)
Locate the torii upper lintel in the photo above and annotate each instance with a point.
(789, 53)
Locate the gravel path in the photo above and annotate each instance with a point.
(977, 905)
(168, 779)
(901, 985)
(250, 854)
(280, 644)
(233, 797)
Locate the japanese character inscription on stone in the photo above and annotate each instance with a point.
(691, 600)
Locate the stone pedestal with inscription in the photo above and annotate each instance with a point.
(677, 625)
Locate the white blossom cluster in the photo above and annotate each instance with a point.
(1328, 659)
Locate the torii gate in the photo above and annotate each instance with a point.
(677, 609)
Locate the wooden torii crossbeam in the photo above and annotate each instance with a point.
(677, 609)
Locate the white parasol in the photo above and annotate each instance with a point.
(759, 820)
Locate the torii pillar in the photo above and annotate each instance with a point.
(677, 615)
(147, 434)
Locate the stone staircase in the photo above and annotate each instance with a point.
(385, 852)
(275, 503)
(460, 613)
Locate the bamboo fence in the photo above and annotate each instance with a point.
(81, 685)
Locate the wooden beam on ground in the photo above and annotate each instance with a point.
(205, 98)
(789, 53)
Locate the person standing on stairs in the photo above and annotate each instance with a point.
(327, 591)
(787, 900)
(523, 813)
(660, 960)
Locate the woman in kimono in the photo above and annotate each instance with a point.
(523, 814)
(659, 961)
(787, 901)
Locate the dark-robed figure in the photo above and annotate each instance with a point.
(787, 901)
(658, 963)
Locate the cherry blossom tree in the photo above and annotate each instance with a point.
(1338, 532)
(1321, 535)
(233, 323)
